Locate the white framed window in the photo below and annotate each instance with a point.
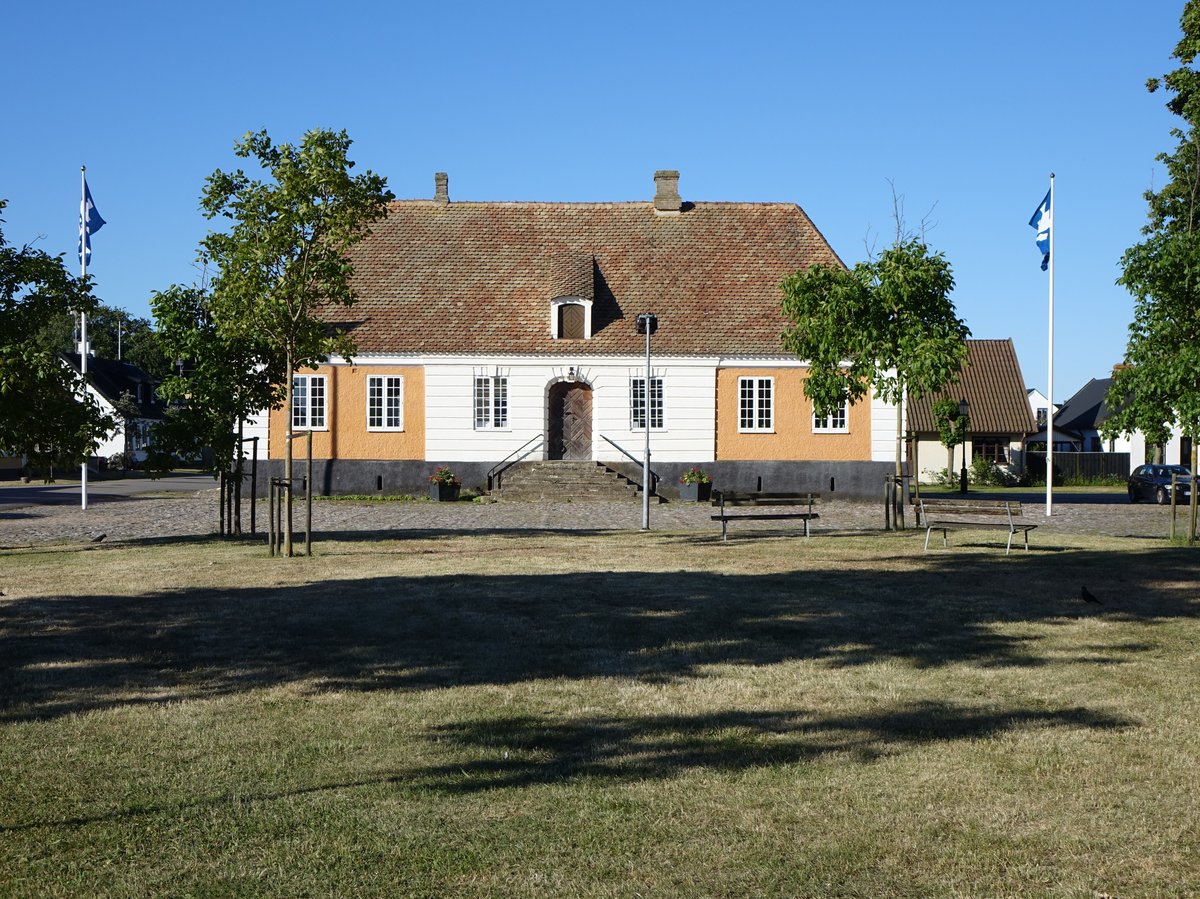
(308, 402)
(491, 402)
(637, 404)
(385, 403)
(756, 404)
(837, 423)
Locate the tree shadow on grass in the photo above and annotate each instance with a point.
(525, 751)
(70, 654)
(529, 750)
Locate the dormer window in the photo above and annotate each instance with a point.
(571, 319)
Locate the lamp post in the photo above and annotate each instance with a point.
(647, 323)
(964, 409)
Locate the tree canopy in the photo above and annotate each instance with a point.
(887, 325)
(1159, 387)
(113, 333)
(44, 412)
(221, 381)
(283, 267)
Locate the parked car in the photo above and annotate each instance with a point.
(1153, 483)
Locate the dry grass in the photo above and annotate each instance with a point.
(614, 715)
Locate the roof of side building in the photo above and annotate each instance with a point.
(992, 384)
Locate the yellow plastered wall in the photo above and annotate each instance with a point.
(347, 436)
(793, 437)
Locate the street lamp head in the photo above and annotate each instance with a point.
(647, 321)
(963, 408)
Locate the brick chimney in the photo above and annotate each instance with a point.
(441, 188)
(666, 192)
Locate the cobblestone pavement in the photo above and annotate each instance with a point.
(195, 514)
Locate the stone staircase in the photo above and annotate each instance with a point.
(560, 481)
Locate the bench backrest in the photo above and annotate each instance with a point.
(932, 508)
(732, 498)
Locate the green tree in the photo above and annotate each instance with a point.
(1159, 387)
(887, 325)
(283, 268)
(137, 342)
(952, 427)
(221, 381)
(45, 414)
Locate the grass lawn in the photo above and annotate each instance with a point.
(628, 714)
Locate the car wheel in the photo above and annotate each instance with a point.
(1132, 495)
(1162, 496)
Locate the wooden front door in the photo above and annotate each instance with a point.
(570, 431)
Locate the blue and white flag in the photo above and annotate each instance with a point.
(89, 223)
(1041, 222)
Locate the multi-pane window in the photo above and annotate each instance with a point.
(836, 423)
(385, 403)
(308, 402)
(491, 402)
(990, 448)
(756, 404)
(637, 403)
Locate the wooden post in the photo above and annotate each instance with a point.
(253, 482)
(1173, 483)
(271, 511)
(887, 503)
(237, 484)
(308, 500)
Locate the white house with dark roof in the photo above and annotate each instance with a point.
(488, 329)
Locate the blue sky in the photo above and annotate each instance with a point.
(965, 108)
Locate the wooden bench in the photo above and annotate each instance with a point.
(724, 498)
(969, 514)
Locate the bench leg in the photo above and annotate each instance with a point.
(945, 545)
(806, 527)
(724, 530)
(1027, 541)
(1009, 545)
(928, 531)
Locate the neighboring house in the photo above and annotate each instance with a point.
(107, 381)
(1040, 406)
(1000, 414)
(1078, 422)
(488, 327)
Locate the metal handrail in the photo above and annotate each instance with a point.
(636, 461)
(508, 461)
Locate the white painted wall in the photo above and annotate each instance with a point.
(883, 430)
(689, 401)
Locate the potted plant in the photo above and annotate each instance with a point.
(695, 486)
(443, 485)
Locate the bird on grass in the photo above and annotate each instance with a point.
(98, 538)
(1086, 595)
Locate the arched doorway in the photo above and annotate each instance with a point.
(569, 435)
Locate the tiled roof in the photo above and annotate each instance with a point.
(1086, 410)
(992, 384)
(478, 278)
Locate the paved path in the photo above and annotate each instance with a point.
(14, 494)
(192, 512)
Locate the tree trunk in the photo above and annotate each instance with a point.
(287, 455)
(900, 491)
(238, 471)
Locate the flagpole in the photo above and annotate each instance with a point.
(83, 474)
(1050, 369)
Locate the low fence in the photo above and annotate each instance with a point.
(1080, 466)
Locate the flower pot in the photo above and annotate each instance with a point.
(444, 493)
(695, 493)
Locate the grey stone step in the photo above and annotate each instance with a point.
(563, 480)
